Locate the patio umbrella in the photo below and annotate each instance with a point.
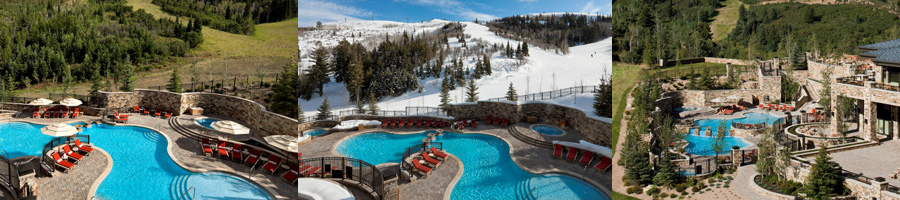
(735, 97)
(231, 130)
(59, 130)
(41, 102)
(283, 142)
(69, 102)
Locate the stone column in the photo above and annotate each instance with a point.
(727, 69)
(736, 156)
(895, 117)
(787, 119)
(869, 114)
(879, 184)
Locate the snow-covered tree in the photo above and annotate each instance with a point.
(511, 93)
(324, 110)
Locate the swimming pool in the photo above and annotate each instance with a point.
(546, 130)
(316, 132)
(686, 173)
(749, 118)
(207, 122)
(683, 109)
(488, 170)
(702, 145)
(135, 173)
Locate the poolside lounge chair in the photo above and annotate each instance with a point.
(419, 166)
(573, 152)
(83, 148)
(64, 114)
(76, 113)
(56, 114)
(291, 176)
(409, 124)
(156, 114)
(272, 165)
(400, 124)
(603, 165)
(496, 121)
(557, 151)
(66, 165)
(473, 123)
(47, 113)
(236, 154)
(384, 123)
(419, 123)
(444, 124)
(587, 158)
(121, 119)
(488, 120)
(137, 109)
(253, 158)
(311, 171)
(728, 111)
(221, 149)
(438, 153)
(430, 160)
(37, 113)
(72, 154)
(168, 114)
(427, 123)
(505, 122)
(146, 110)
(207, 149)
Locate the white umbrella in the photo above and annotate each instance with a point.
(41, 101)
(734, 97)
(230, 127)
(59, 130)
(718, 100)
(70, 102)
(284, 142)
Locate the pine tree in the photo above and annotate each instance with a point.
(823, 181)
(94, 92)
(445, 93)
(525, 48)
(511, 93)
(286, 91)
(318, 75)
(127, 73)
(324, 110)
(301, 118)
(519, 51)
(603, 98)
(373, 109)
(478, 70)
(487, 65)
(471, 91)
(665, 175)
(174, 82)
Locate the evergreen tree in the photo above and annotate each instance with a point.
(511, 93)
(603, 98)
(445, 93)
(318, 75)
(825, 91)
(823, 181)
(355, 81)
(635, 152)
(301, 118)
(487, 65)
(471, 91)
(286, 91)
(525, 48)
(127, 73)
(174, 82)
(478, 69)
(373, 109)
(519, 51)
(324, 110)
(94, 92)
(665, 175)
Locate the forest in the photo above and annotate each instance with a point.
(553, 31)
(233, 16)
(645, 31)
(59, 42)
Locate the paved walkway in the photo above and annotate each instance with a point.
(444, 176)
(875, 161)
(77, 183)
(743, 179)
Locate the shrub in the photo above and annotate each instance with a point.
(673, 195)
(684, 193)
(634, 189)
(680, 187)
(653, 190)
(692, 181)
(695, 189)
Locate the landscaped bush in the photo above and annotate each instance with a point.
(653, 190)
(673, 195)
(634, 189)
(772, 183)
(680, 187)
(695, 189)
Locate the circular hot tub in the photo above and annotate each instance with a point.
(548, 130)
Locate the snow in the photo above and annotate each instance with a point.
(318, 189)
(585, 145)
(349, 124)
(543, 71)
(583, 102)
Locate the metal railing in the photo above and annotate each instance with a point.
(9, 179)
(188, 190)
(887, 87)
(855, 80)
(47, 159)
(553, 94)
(409, 111)
(348, 168)
(416, 148)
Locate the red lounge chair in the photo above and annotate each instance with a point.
(419, 123)
(147, 110)
(72, 154)
(438, 153)
(496, 121)
(421, 167)
(384, 123)
(426, 123)
(474, 123)
(430, 160)
(207, 149)
(168, 114)
(84, 148)
(434, 123)
(587, 158)
(488, 120)
(56, 114)
(76, 113)
(253, 158)
(409, 124)
(64, 114)
(603, 165)
(47, 113)
(236, 152)
(728, 112)
(62, 163)
(121, 119)
(761, 106)
(573, 152)
(156, 114)
(505, 122)
(37, 113)
(272, 165)
(123, 116)
(557, 151)
(303, 168)
(137, 109)
(402, 122)
(221, 149)
(291, 176)
(311, 171)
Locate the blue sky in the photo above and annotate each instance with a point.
(311, 11)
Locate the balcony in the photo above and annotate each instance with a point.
(887, 87)
(858, 80)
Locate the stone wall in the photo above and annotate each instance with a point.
(770, 87)
(874, 190)
(709, 60)
(815, 69)
(813, 87)
(317, 124)
(251, 113)
(483, 109)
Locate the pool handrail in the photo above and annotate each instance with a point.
(188, 190)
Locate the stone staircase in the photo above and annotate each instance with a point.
(524, 138)
(181, 129)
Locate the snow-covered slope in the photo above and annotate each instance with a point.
(544, 70)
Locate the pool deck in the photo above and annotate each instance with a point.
(530, 158)
(78, 182)
(184, 151)
(876, 161)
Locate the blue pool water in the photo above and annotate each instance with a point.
(546, 130)
(142, 168)
(488, 171)
(683, 109)
(207, 122)
(749, 118)
(702, 145)
(316, 132)
(686, 173)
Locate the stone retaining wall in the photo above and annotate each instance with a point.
(709, 60)
(251, 113)
(875, 190)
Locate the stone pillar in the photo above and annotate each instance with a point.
(787, 120)
(895, 117)
(736, 156)
(869, 111)
(803, 116)
(879, 184)
(727, 69)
